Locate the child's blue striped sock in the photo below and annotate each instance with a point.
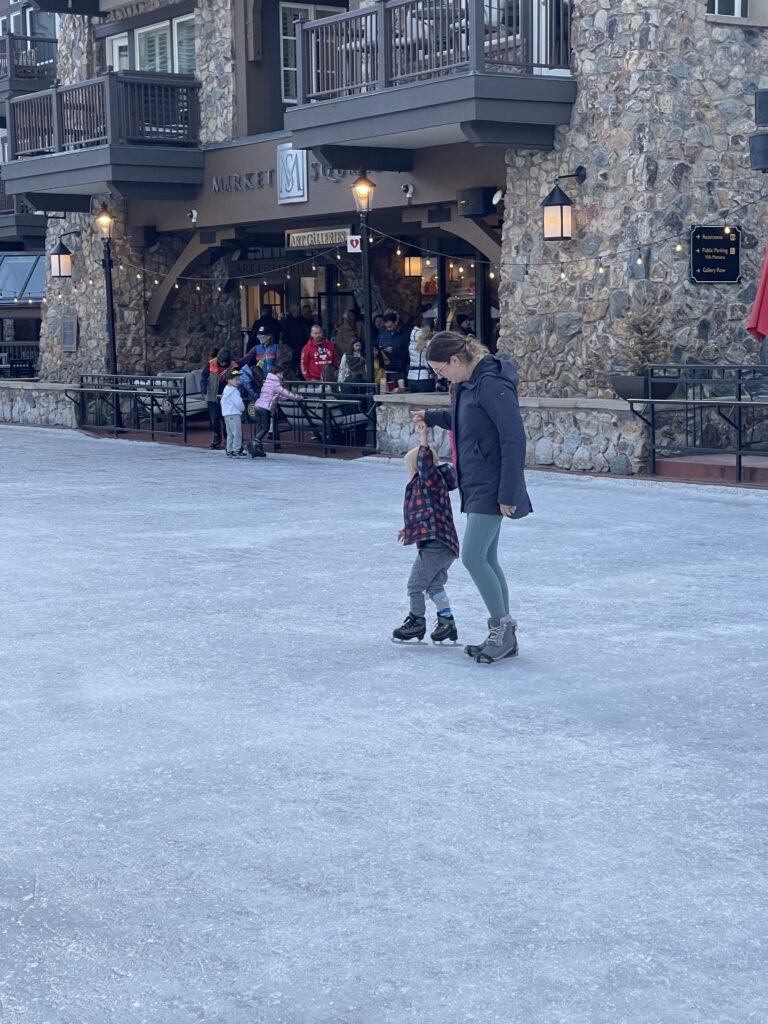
(442, 604)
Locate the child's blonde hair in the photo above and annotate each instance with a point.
(410, 459)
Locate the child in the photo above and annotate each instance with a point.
(232, 409)
(272, 391)
(429, 524)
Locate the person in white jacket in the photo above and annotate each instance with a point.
(232, 408)
(272, 391)
(420, 378)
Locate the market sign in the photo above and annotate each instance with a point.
(715, 254)
(316, 239)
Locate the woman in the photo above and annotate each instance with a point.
(489, 442)
(356, 349)
(420, 378)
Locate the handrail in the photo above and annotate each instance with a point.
(133, 107)
(394, 42)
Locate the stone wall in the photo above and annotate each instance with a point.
(200, 318)
(664, 109)
(35, 405)
(590, 435)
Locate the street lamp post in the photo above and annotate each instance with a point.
(104, 222)
(362, 190)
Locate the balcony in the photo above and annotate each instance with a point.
(27, 64)
(410, 74)
(130, 132)
(18, 221)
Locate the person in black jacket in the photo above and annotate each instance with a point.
(266, 322)
(489, 442)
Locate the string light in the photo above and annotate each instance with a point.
(727, 229)
(492, 275)
(156, 281)
(176, 286)
(600, 268)
(398, 251)
(679, 247)
(562, 273)
(198, 287)
(138, 277)
(639, 261)
(338, 255)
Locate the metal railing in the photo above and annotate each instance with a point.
(124, 106)
(712, 410)
(18, 359)
(132, 404)
(28, 57)
(330, 417)
(399, 41)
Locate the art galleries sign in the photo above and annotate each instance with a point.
(316, 239)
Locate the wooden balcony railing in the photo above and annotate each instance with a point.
(400, 41)
(28, 57)
(119, 107)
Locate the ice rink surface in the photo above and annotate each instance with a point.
(226, 796)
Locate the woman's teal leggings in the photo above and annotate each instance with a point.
(479, 555)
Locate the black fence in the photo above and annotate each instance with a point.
(329, 417)
(18, 358)
(706, 410)
(128, 404)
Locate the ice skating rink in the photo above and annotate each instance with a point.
(226, 797)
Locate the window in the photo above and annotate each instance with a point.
(118, 55)
(729, 8)
(3, 26)
(167, 47)
(16, 28)
(289, 15)
(153, 48)
(42, 24)
(184, 45)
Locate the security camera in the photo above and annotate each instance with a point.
(407, 188)
(192, 214)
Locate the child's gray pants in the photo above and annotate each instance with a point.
(429, 573)
(234, 433)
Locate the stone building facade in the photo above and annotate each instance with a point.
(661, 124)
(207, 310)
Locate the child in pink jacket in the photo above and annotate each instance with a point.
(272, 391)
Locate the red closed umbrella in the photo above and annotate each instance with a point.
(757, 325)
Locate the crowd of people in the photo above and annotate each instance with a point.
(295, 348)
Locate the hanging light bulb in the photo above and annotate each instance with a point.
(197, 287)
(156, 281)
(471, 266)
(727, 229)
(138, 277)
(264, 282)
(338, 255)
(176, 286)
(600, 268)
(428, 263)
(314, 267)
(288, 277)
(639, 261)
(562, 275)
(450, 266)
(218, 288)
(492, 275)
(370, 239)
(679, 247)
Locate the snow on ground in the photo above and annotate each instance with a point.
(225, 796)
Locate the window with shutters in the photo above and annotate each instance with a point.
(290, 14)
(153, 48)
(184, 45)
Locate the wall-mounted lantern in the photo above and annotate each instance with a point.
(61, 257)
(558, 215)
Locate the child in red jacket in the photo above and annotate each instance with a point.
(429, 525)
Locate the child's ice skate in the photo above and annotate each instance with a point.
(414, 628)
(501, 642)
(445, 629)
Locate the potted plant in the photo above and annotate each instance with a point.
(642, 331)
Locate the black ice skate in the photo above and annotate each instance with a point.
(414, 628)
(445, 629)
(501, 642)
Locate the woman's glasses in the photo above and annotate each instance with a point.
(438, 370)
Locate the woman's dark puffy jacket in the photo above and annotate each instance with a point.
(489, 439)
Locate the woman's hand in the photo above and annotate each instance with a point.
(508, 510)
(400, 536)
(417, 415)
(423, 432)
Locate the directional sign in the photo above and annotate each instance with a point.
(715, 254)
